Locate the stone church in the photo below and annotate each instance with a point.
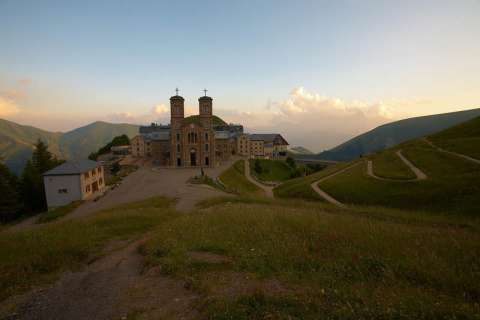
(192, 143)
(200, 140)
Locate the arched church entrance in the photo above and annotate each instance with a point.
(193, 157)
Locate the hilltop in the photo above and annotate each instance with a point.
(393, 133)
(444, 181)
(16, 141)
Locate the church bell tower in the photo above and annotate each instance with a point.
(177, 114)
(205, 111)
(177, 111)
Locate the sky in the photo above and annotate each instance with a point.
(319, 72)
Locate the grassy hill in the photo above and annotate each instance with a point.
(235, 181)
(251, 258)
(16, 141)
(452, 186)
(391, 134)
(271, 170)
(216, 121)
(78, 143)
(463, 138)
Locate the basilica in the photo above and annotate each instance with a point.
(203, 140)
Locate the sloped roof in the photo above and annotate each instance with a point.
(72, 167)
(267, 137)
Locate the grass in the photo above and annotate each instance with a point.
(205, 179)
(453, 184)
(272, 170)
(301, 187)
(333, 263)
(235, 181)
(466, 146)
(389, 165)
(124, 171)
(34, 257)
(463, 138)
(58, 212)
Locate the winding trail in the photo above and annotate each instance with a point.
(268, 190)
(419, 174)
(325, 195)
(451, 152)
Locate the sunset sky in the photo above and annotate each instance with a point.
(331, 69)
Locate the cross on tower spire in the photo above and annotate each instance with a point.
(176, 90)
(205, 90)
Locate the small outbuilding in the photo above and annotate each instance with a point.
(72, 181)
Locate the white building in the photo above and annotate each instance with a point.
(72, 181)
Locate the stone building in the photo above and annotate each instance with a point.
(197, 141)
(72, 181)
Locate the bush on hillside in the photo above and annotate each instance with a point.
(117, 141)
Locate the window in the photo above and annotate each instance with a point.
(207, 161)
(206, 146)
(179, 162)
(62, 191)
(178, 147)
(178, 136)
(206, 135)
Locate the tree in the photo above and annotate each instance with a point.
(257, 166)
(291, 162)
(122, 140)
(31, 186)
(10, 200)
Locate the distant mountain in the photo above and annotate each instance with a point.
(300, 150)
(78, 143)
(16, 141)
(391, 134)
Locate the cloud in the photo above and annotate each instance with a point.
(160, 113)
(305, 118)
(9, 99)
(8, 107)
(314, 120)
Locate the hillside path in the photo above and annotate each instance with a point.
(451, 152)
(325, 195)
(419, 174)
(113, 287)
(268, 190)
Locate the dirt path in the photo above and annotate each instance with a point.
(451, 152)
(268, 190)
(145, 183)
(325, 195)
(113, 287)
(419, 174)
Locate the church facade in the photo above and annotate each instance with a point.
(200, 141)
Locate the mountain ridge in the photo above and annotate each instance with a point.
(394, 133)
(17, 141)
